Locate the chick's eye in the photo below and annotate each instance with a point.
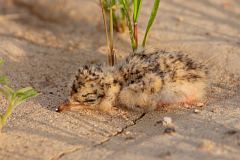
(90, 98)
(88, 94)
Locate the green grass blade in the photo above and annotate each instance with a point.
(136, 9)
(135, 6)
(111, 56)
(126, 10)
(103, 4)
(151, 20)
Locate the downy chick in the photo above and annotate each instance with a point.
(142, 82)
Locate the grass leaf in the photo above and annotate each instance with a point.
(126, 10)
(151, 20)
(136, 9)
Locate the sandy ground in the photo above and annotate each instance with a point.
(44, 42)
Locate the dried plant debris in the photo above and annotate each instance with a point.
(169, 130)
(207, 145)
(169, 126)
(232, 132)
(196, 111)
(167, 121)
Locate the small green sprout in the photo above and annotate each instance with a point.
(14, 98)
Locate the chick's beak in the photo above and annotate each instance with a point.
(71, 107)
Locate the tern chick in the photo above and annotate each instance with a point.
(143, 81)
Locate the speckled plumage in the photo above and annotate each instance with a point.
(142, 81)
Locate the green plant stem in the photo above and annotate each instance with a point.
(112, 57)
(129, 23)
(106, 31)
(136, 11)
(7, 114)
(1, 125)
(135, 30)
(104, 21)
(131, 33)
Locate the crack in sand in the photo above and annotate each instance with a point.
(134, 122)
(64, 153)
